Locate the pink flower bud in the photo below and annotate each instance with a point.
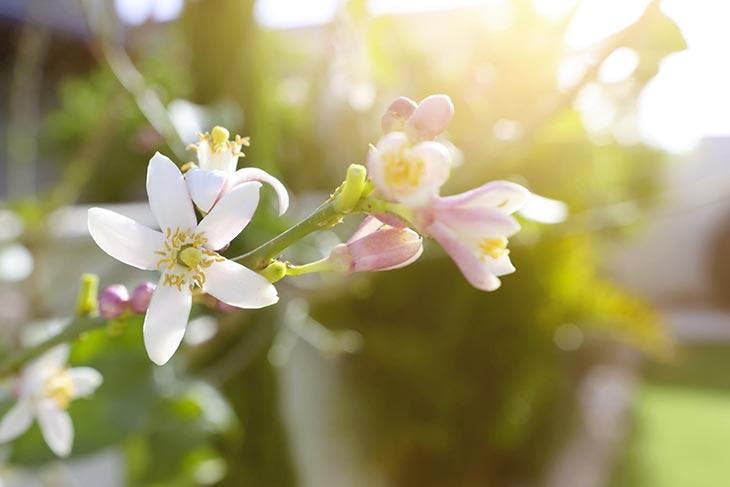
(113, 301)
(376, 246)
(141, 296)
(398, 112)
(431, 117)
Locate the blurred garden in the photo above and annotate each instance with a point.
(600, 362)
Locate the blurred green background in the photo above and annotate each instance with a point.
(572, 374)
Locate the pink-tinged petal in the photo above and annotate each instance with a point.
(391, 220)
(205, 187)
(85, 380)
(431, 117)
(168, 194)
(505, 196)
(230, 215)
(369, 225)
(125, 239)
(165, 321)
(477, 223)
(239, 286)
(544, 210)
(56, 427)
(470, 265)
(16, 421)
(394, 118)
(255, 174)
(385, 249)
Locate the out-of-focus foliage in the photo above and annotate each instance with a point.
(453, 386)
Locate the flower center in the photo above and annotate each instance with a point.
(60, 388)
(184, 258)
(403, 172)
(493, 247)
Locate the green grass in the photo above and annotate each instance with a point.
(681, 434)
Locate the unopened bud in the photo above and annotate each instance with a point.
(113, 301)
(394, 118)
(141, 296)
(431, 117)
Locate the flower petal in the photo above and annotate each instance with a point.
(239, 286)
(465, 258)
(410, 175)
(168, 195)
(255, 174)
(125, 239)
(477, 223)
(56, 427)
(205, 187)
(506, 196)
(16, 421)
(165, 321)
(230, 215)
(544, 210)
(370, 224)
(85, 380)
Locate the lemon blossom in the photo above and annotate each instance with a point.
(474, 227)
(405, 165)
(216, 174)
(44, 389)
(184, 251)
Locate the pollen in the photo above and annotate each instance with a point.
(60, 388)
(184, 258)
(493, 247)
(402, 172)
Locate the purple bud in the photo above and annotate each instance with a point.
(113, 301)
(141, 296)
(394, 118)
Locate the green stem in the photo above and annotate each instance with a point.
(323, 265)
(75, 329)
(323, 217)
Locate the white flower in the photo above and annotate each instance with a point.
(406, 171)
(184, 251)
(44, 389)
(216, 172)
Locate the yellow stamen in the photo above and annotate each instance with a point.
(493, 247)
(60, 388)
(402, 172)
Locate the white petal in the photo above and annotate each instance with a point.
(239, 286)
(85, 380)
(56, 427)
(165, 321)
(544, 210)
(16, 421)
(125, 239)
(437, 160)
(205, 187)
(255, 174)
(230, 215)
(168, 195)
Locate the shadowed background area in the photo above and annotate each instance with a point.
(601, 362)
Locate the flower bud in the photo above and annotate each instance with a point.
(398, 112)
(376, 246)
(113, 301)
(141, 296)
(431, 117)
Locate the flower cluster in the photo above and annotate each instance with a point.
(408, 167)
(201, 209)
